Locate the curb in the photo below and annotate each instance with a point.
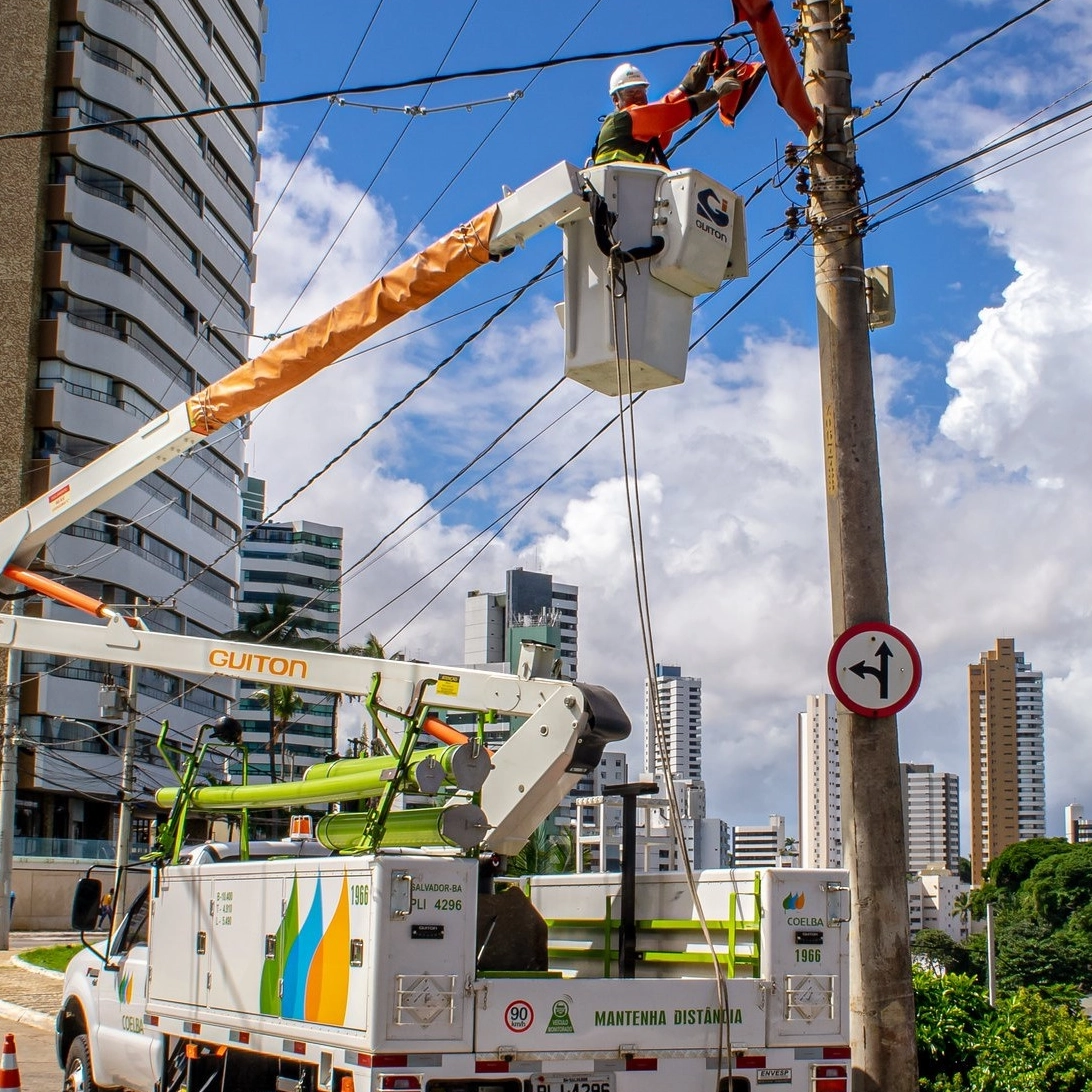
(20, 962)
(23, 1015)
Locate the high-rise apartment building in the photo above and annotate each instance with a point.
(291, 567)
(1008, 779)
(678, 698)
(930, 802)
(533, 607)
(820, 784)
(125, 288)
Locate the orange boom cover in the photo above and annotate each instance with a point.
(784, 71)
(308, 350)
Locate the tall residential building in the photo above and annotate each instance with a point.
(1008, 779)
(820, 784)
(295, 565)
(125, 288)
(678, 698)
(533, 607)
(676, 757)
(930, 803)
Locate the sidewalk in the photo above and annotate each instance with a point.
(30, 995)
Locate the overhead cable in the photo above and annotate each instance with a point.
(944, 64)
(370, 89)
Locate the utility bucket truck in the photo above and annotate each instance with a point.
(389, 953)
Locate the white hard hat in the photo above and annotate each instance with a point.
(626, 75)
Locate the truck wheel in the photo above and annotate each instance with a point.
(77, 1072)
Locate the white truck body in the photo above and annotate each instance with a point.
(365, 973)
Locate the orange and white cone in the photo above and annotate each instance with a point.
(9, 1066)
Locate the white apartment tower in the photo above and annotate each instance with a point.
(820, 784)
(294, 565)
(678, 699)
(931, 812)
(130, 251)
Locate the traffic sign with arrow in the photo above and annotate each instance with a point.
(874, 669)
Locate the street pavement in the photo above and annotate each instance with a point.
(29, 999)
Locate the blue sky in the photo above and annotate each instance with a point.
(982, 384)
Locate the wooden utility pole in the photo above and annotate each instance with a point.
(881, 992)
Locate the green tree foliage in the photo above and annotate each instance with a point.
(1030, 953)
(1032, 1044)
(981, 897)
(549, 850)
(1060, 885)
(950, 1008)
(1009, 869)
(1037, 1039)
(1029, 1043)
(284, 704)
(935, 949)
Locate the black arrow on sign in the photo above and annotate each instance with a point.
(861, 669)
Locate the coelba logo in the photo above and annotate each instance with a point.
(713, 208)
(794, 901)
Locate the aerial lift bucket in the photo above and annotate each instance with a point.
(655, 239)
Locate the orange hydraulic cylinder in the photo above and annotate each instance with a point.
(63, 594)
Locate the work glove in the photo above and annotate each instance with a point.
(697, 78)
(725, 84)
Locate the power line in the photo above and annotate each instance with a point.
(372, 89)
(378, 171)
(914, 85)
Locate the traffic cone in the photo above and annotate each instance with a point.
(9, 1066)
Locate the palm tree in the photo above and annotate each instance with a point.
(283, 704)
(550, 850)
(280, 623)
(276, 623)
(962, 907)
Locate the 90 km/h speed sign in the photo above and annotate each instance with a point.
(874, 669)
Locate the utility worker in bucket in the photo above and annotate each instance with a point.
(638, 129)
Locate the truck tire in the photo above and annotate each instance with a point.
(77, 1070)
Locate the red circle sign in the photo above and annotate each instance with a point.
(519, 1016)
(874, 669)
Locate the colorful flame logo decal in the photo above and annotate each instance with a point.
(308, 979)
(794, 901)
(125, 989)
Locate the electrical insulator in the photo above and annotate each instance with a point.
(803, 180)
(792, 156)
(858, 176)
(792, 221)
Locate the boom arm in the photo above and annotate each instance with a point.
(554, 194)
(567, 728)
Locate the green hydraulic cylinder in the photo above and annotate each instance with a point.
(462, 825)
(367, 779)
(464, 765)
